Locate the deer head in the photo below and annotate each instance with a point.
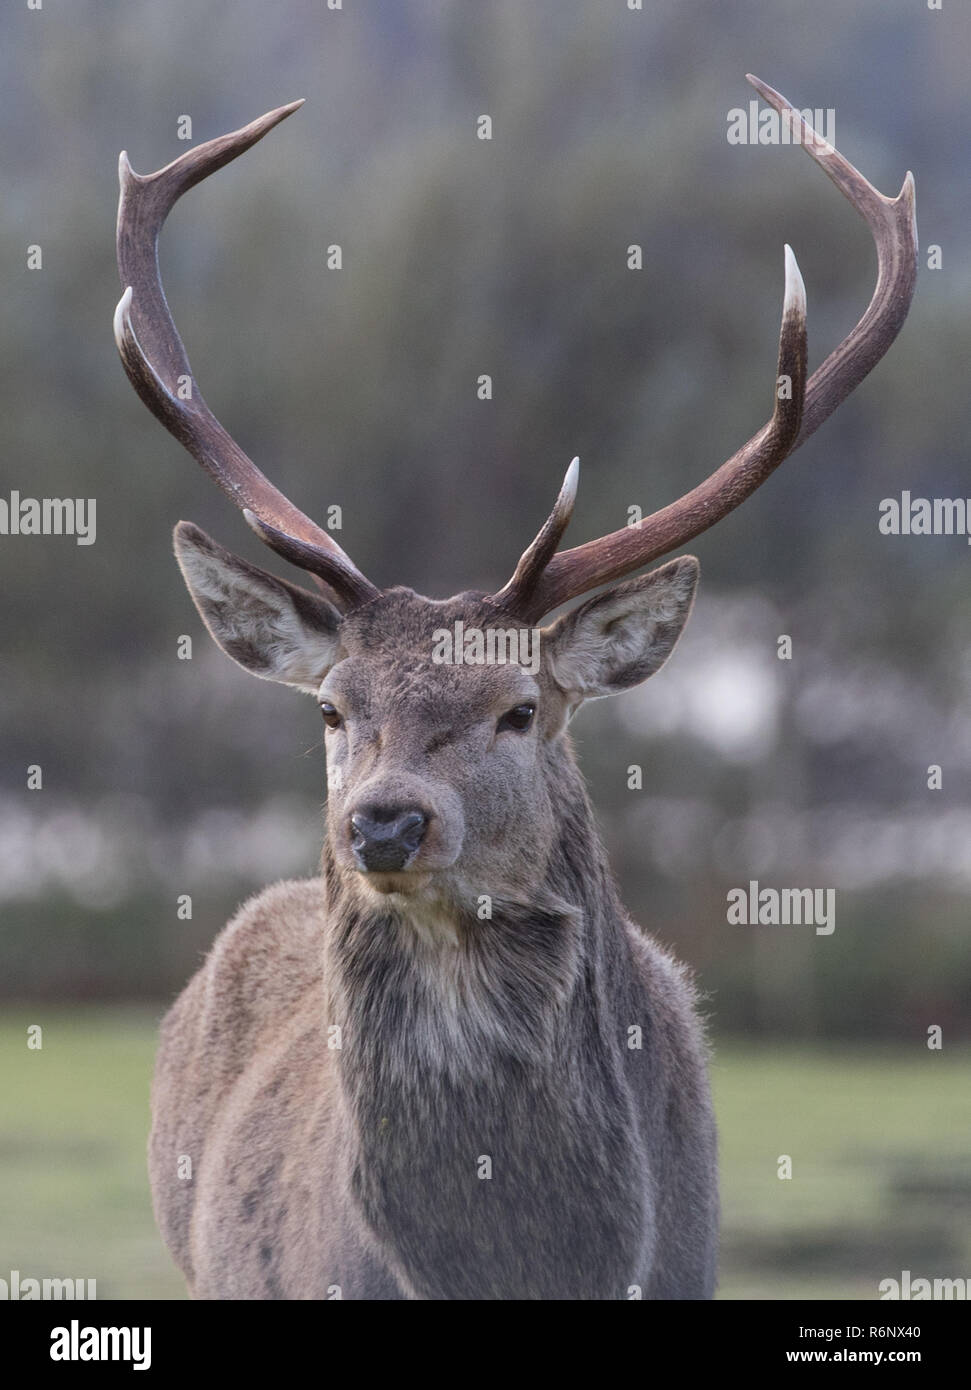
(446, 774)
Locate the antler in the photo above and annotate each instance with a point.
(157, 366)
(892, 221)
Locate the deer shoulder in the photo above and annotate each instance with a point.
(264, 961)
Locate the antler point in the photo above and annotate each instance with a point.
(572, 479)
(795, 293)
(121, 320)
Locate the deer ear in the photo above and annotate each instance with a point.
(619, 638)
(269, 627)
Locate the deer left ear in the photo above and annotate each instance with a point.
(619, 638)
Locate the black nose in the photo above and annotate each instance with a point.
(385, 838)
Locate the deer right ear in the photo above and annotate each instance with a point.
(269, 627)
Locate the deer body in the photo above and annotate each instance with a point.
(451, 1067)
(367, 1181)
(552, 1041)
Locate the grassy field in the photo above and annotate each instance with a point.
(879, 1142)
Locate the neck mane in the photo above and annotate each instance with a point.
(414, 999)
(501, 1045)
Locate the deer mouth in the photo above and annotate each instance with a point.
(411, 878)
(406, 882)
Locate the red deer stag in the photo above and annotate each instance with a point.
(385, 1089)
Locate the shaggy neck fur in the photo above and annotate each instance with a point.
(496, 1051)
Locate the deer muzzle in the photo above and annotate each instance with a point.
(386, 839)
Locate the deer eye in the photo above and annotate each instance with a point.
(518, 719)
(331, 718)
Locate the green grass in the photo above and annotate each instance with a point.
(878, 1139)
(74, 1198)
(881, 1168)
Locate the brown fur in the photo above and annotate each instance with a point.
(357, 1171)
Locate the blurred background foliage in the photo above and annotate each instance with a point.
(358, 387)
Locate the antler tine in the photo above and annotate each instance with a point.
(892, 222)
(335, 569)
(156, 363)
(515, 595)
